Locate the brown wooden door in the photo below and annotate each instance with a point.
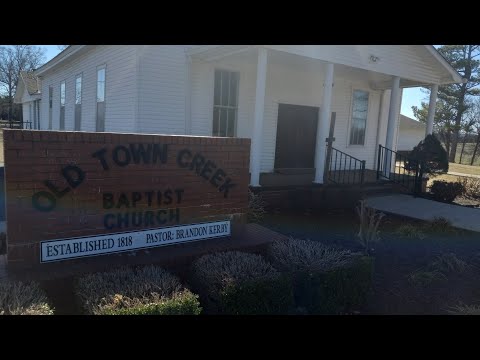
(296, 136)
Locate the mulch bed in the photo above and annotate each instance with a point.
(395, 258)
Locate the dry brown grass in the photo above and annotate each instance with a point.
(464, 169)
(18, 298)
(121, 287)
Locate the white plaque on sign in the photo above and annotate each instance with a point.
(64, 249)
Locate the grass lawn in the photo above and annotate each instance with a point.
(464, 169)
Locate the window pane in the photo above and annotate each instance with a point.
(223, 122)
(101, 85)
(78, 90)
(216, 96)
(225, 86)
(100, 91)
(101, 74)
(62, 93)
(216, 114)
(233, 89)
(231, 122)
(359, 117)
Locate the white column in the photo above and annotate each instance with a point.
(256, 147)
(431, 109)
(323, 124)
(393, 112)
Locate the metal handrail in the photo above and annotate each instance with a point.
(403, 170)
(343, 171)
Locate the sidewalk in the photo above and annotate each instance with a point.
(423, 209)
(462, 174)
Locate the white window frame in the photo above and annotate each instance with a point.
(350, 117)
(100, 67)
(231, 70)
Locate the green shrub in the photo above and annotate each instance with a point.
(326, 280)
(148, 290)
(184, 303)
(410, 231)
(446, 191)
(431, 154)
(18, 298)
(337, 291)
(241, 283)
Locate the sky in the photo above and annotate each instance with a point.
(411, 96)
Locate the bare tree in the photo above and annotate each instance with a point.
(14, 59)
(62, 47)
(474, 114)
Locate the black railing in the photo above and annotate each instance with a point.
(400, 169)
(344, 168)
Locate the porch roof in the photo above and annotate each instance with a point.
(416, 65)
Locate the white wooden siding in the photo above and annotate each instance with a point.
(120, 87)
(162, 88)
(284, 85)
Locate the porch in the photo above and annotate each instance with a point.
(286, 97)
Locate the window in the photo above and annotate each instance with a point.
(78, 90)
(62, 105)
(50, 105)
(78, 102)
(225, 103)
(101, 98)
(359, 117)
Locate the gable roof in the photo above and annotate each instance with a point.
(31, 82)
(409, 123)
(27, 81)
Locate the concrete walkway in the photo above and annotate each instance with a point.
(418, 208)
(462, 174)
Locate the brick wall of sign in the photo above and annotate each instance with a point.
(68, 184)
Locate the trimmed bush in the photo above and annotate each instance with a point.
(326, 280)
(256, 207)
(431, 154)
(446, 191)
(149, 290)
(240, 284)
(471, 186)
(18, 298)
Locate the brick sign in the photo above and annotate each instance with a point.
(76, 194)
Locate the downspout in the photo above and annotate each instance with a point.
(188, 95)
